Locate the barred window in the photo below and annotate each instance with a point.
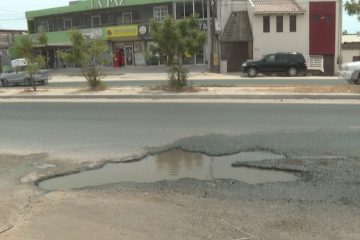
(266, 23)
(293, 23)
(279, 23)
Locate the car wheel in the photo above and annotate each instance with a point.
(252, 72)
(4, 82)
(292, 71)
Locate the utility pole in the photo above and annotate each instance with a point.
(339, 58)
(214, 47)
(210, 42)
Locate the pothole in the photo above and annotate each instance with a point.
(173, 165)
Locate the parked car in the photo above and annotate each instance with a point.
(17, 74)
(351, 72)
(290, 63)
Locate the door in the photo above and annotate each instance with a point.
(117, 58)
(329, 65)
(236, 54)
(17, 76)
(129, 58)
(282, 63)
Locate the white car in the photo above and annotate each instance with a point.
(351, 72)
(17, 75)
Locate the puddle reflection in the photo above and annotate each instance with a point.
(172, 165)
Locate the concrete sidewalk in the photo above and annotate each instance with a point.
(142, 73)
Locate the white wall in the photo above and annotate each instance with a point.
(347, 55)
(285, 41)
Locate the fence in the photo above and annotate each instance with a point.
(315, 62)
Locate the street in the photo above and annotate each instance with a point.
(109, 130)
(319, 144)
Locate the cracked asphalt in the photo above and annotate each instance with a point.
(320, 142)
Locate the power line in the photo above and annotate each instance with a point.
(14, 19)
(9, 10)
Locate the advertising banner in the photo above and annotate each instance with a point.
(122, 32)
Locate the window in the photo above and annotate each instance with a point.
(67, 23)
(160, 13)
(127, 18)
(199, 9)
(266, 23)
(316, 18)
(180, 10)
(95, 21)
(282, 58)
(279, 23)
(189, 9)
(270, 58)
(44, 26)
(292, 23)
(327, 18)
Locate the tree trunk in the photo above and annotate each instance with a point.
(32, 80)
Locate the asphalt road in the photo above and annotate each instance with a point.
(114, 130)
(222, 82)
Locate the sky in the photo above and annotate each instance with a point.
(12, 13)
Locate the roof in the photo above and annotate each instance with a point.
(350, 38)
(276, 7)
(238, 28)
(88, 5)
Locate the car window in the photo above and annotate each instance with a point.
(270, 58)
(281, 58)
(299, 58)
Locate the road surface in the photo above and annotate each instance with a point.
(109, 130)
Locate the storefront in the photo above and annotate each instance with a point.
(128, 44)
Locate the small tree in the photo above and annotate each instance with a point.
(174, 40)
(25, 48)
(87, 54)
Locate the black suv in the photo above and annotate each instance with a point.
(290, 63)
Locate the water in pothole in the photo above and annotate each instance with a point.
(172, 165)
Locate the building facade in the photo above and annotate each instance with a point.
(307, 26)
(124, 25)
(237, 29)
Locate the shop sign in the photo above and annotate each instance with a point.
(95, 33)
(106, 3)
(122, 32)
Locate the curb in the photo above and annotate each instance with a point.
(191, 96)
